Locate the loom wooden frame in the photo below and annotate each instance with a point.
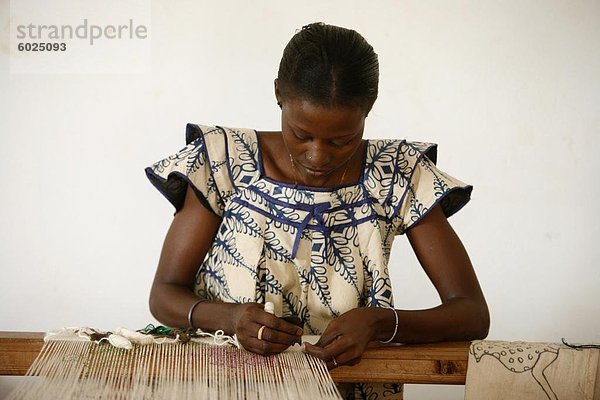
(435, 363)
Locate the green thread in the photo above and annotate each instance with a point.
(183, 334)
(158, 330)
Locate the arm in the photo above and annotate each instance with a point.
(463, 314)
(189, 238)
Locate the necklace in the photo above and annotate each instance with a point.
(296, 177)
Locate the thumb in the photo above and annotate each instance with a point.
(314, 350)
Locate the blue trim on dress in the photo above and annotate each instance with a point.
(309, 207)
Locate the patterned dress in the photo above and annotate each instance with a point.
(315, 253)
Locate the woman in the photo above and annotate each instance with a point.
(305, 218)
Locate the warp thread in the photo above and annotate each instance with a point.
(76, 363)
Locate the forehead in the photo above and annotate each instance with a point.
(326, 122)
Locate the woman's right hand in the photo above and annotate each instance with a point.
(277, 334)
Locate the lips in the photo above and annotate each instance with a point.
(316, 172)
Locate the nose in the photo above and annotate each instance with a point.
(317, 156)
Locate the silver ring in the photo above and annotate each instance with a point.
(334, 362)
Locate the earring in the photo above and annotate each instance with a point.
(279, 104)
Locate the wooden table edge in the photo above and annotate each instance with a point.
(432, 363)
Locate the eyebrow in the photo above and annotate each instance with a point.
(295, 128)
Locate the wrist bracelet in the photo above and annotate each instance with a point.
(190, 322)
(395, 329)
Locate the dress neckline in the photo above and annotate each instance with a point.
(262, 175)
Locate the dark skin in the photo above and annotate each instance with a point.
(327, 147)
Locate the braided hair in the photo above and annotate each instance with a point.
(329, 66)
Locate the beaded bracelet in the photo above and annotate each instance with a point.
(395, 329)
(191, 323)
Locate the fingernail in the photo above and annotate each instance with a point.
(298, 332)
(304, 347)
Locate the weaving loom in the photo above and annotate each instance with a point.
(75, 364)
(564, 372)
(439, 363)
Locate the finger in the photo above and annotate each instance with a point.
(293, 320)
(278, 324)
(332, 361)
(340, 350)
(316, 351)
(275, 336)
(278, 331)
(344, 353)
(268, 334)
(264, 347)
(248, 337)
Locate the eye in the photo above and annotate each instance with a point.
(341, 142)
(300, 137)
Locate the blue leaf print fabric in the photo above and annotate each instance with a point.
(315, 253)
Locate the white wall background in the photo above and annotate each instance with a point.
(509, 89)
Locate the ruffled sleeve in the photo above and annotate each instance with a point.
(421, 185)
(205, 171)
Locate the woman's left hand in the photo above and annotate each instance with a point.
(345, 338)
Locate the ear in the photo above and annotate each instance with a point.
(368, 110)
(277, 94)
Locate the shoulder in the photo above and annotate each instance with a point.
(221, 141)
(416, 150)
(393, 156)
(197, 132)
(194, 131)
(271, 145)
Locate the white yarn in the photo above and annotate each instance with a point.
(72, 333)
(119, 342)
(135, 337)
(219, 338)
(124, 338)
(270, 307)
